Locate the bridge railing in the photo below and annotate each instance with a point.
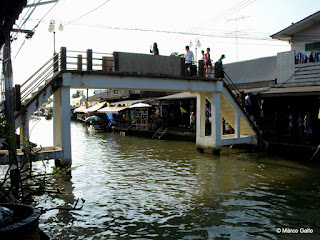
(89, 61)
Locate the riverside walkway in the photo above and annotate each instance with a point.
(89, 70)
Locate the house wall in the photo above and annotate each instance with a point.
(308, 35)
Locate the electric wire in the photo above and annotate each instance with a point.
(24, 19)
(88, 13)
(226, 13)
(34, 8)
(45, 16)
(34, 28)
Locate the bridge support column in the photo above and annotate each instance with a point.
(237, 124)
(201, 121)
(61, 123)
(216, 122)
(214, 140)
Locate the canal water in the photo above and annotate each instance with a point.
(139, 188)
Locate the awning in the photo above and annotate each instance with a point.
(292, 91)
(111, 109)
(255, 91)
(95, 107)
(140, 105)
(127, 102)
(179, 96)
(80, 109)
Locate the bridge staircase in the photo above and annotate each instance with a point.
(28, 97)
(247, 125)
(37, 89)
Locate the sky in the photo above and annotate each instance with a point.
(240, 29)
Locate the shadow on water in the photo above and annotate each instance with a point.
(138, 188)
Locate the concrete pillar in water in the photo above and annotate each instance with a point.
(200, 121)
(237, 124)
(216, 122)
(61, 123)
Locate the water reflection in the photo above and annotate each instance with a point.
(138, 188)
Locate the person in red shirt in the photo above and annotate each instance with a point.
(208, 63)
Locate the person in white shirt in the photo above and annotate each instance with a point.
(188, 56)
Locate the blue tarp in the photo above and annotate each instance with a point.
(110, 116)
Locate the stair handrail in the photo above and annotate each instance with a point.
(43, 76)
(38, 70)
(163, 133)
(231, 84)
(159, 129)
(232, 87)
(40, 76)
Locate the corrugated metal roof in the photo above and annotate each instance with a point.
(95, 107)
(183, 95)
(128, 102)
(288, 32)
(292, 91)
(252, 71)
(111, 109)
(81, 109)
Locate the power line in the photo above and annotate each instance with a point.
(36, 4)
(34, 26)
(19, 49)
(45, 15)
(227, 13)
(218, 35)
(172, 32)
(88, 12)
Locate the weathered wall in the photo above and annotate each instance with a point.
(146, 63)
(285, 67)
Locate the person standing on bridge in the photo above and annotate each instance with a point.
(221, 74)
(208, 63)
(154, 49)
(189, 57)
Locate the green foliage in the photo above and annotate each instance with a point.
(61, 172)
(78, 93)
(176, 54)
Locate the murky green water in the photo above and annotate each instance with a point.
(136, 188)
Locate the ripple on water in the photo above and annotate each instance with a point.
(137, 188)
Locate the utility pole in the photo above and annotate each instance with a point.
(9, 113)
(236, 20)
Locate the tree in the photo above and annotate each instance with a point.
(176, 54)
(79, 93)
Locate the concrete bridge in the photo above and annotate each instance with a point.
(89, 70)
